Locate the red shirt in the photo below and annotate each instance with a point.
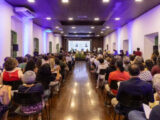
(118, 76)
(10, 76)
(138, 53)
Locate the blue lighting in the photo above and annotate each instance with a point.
(119, 40)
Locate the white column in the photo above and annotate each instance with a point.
(27, 36)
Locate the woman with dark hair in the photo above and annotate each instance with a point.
(149, 64)
(156, 68)
(31, 66)
(118, 75)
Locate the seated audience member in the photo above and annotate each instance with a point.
(154, 115)
(132, 57)
(5, 97)
(31, 66)
(45, 59)
(30, 86)
(101, 66)
(138, 60)
(44, 76)
(38, 63)
(145, 74)
(138, 52)
(156, 68)
(149, 65)
(126, 62)
(118, 76)
(134, 92)
(111, 67)
(154, 59)
(11, 73)
(23, 64)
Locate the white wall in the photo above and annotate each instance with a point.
(135, 31)
(17, 27)
(55, 39)
(5, 30)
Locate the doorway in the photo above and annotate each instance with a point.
(150, 41)
(125, 45)
(14, 45)
(50, 47)
(36, 44)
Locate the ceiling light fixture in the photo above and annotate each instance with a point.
(62, 32)
(48, 18)
(107, 27)
(90, 32)
(106, 1)
(102, 32)
(92, 27)
(117, 18)
(98, 35)
(73, 27)
(70, 19)
(65, 1)
(96, 19)
(31, 1)
(57, 27)
(138, 0)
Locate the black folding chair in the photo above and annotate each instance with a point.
(27, 99)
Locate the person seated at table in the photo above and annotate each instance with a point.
(11, 73)
(30, 86)
(154, 115)
(133, 87)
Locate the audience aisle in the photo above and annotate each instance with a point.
(78, 99)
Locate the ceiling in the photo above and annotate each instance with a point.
(84, 12)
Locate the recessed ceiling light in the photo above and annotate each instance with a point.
(90, 32)
(65, 1)
(73, 27)
(106, 1)
(31, 1)
(102, 32)
(70, 19)
(62, 32)
(107, 27)
(98, 35)
(96, 19)
(117, 18)
(48, 18)
(57, 27)
(138, 0)
(75, 32)
(92, 27)
(65, 35)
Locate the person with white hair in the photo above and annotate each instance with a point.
(154, 115)
(29, 86)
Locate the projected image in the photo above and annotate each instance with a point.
(78, 45)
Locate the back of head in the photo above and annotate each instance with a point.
(141, 66)
(29, 77)
(101, 60)
(138, 49)
(149, 64)
(30, 65)
(119, 65)
(126, 60)
(45, 70)
(156, 82)
(134, 70)
(10, 64)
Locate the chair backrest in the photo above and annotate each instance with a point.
(27, 99)
(114, 84)
(102, 71)
(133, 101)
(14, 84)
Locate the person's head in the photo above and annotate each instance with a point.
(138, 60)
(132, 57)
(126, 60)
(149, 64)
(45, 57)
(57, 61)
(29, 77)
(38, 63)
(156, 83)
(112, 62)
(10, 64)
(51, 62)
(101, 60)
(134, 70)
(30, 65)
(138, 49)
(119, 65)
(44, 70)
(141, 66)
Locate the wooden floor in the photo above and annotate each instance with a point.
(78, 98)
